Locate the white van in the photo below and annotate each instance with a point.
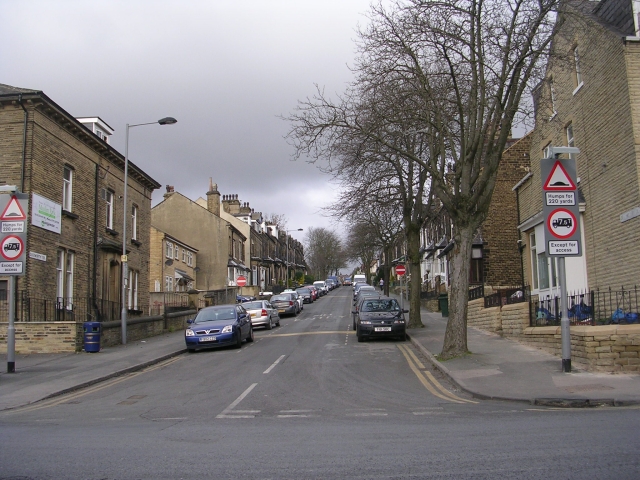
(321, 285)
(359, 278)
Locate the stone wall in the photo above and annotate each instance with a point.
(67, 337)
(608, 348)
(43, 337)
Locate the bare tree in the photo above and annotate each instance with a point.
(364, 138)
(439, 86)
(323, 252)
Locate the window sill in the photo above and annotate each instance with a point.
(111, 231)
(555, 114)
(67, 213)
(578, 88)
(136, 242)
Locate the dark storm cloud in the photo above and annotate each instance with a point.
(224, 69)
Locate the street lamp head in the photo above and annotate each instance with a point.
(167, 121)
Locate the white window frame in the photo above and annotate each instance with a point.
(132, 290)
(552, 90)
(134, 222)
(157, 286)
(64, 276)
(534, 260)
(578, 72)
(169, 250)
(571, 139)
(184, 256)
(190, 258)
(67, 189)
(109, 201)
(168, 283)
(546, 151)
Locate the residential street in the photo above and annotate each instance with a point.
(305, 400)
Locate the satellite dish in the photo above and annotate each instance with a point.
(168, 263)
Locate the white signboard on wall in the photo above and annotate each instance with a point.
(46, 214)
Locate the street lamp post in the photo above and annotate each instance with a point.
(124, 259)
(287, 232)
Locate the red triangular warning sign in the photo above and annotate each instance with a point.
(559, 179)
(13, 211)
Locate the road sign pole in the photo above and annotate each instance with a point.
(11, 331)
(565, 325)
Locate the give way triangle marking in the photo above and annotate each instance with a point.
(559, 179)
(13, 211)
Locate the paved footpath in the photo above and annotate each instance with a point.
(497, 368)
(502, 368)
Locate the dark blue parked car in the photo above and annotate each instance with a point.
(219, 326)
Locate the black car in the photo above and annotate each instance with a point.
(380, 317)
(305, 293)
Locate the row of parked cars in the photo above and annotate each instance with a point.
(225, 325)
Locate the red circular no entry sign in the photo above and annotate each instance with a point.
(241, 281)
(400, 270)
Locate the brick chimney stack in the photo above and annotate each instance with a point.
(213, 198)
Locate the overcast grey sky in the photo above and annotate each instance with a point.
(224, 68)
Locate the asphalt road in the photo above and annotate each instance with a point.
(305, 400)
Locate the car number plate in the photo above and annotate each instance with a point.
(281, 310)
(382, 329)
(207, 339)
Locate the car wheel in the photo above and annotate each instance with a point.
(269, 326)
(250, 337)
(238, 340)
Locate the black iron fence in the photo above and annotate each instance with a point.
(34, 308)
(594, 307)
(506, 296)
(476, 291)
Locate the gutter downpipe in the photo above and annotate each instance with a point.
(24, 143)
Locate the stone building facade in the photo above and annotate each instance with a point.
(201, 228)
(67, 168)
(590, 99)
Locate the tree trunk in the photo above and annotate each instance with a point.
(413, 254)
(455, 338)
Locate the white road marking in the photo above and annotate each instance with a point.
(273, 364)
(228, 412)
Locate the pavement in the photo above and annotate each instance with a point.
(497, 368)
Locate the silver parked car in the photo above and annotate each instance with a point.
(263, 314)
(285, 303)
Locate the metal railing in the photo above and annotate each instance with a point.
(476, 291)
(506, 296)
(594, 307)
(38, 308)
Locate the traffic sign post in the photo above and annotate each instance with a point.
(400, 271)
(561, 227)
(561, 209)
(13, 237)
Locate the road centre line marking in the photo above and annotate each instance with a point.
(424, 381)
(273, 364)
(296, 411)
(308, 333)
(226, 411)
